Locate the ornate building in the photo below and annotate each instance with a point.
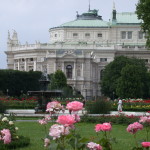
(81, 48)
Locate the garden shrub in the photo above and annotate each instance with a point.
(101, 106)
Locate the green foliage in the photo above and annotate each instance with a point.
(101, 106)
(124, 77)
(15, 83)
(117, 119)
(143, 12)
(18, 143)
(58, 80)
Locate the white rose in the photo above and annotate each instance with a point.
(5, 119)
(11, 122)
(16, 128)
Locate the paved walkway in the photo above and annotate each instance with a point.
(31, 113)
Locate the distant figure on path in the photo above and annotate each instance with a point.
(120, 105)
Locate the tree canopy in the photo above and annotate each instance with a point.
(143, 12)
(58, 80)
(125, 77)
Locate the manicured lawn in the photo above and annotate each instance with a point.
(36, 132)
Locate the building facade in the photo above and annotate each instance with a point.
(81, 48)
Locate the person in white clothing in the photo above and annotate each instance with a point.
(120, 105)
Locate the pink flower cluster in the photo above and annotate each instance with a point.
(144, 119)
(94, 146)
(45, 120)
(57, 130)
(74, 106)
(53, 106)
(5, 136)
(145, 144)
(103, 127)
(133, 128)
(66, 120)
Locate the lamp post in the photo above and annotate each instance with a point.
(7, 91)
(113, 95)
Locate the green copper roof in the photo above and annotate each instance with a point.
(127, 18)
(86, 23)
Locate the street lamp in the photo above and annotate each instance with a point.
(7, 91)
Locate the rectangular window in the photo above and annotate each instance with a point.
(123, 35)
(129, 34)
(99, 35)
(87, 34)
(141, 35)
(75, 34)
(103, 59)
(55, 35)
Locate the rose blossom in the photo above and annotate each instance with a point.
(57, 130)
(5, 119)
(144, 119)
(94, 146)
(145, 144)
(66, 120)
(98, 127)
(74, 106)
(46, 142)
(103, 127)
(11, 122)
(53, 106)
(6, 136)
(133, 128)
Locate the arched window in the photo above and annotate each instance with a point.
(69, 71)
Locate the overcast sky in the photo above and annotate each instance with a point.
(32, 18)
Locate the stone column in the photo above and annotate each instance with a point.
(82, 70)
(18, 65)
(25, 64)
(74, 71)
(34, 66)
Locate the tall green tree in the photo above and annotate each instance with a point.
(114, 76)
(143, 12)
(130, 84)
(58, 80)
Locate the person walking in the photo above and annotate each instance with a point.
(120, 105)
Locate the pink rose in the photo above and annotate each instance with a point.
(94, 146)
(106, 127)
(53, 106)
(103, 127)
(6, 136)
(144, 119)
(145, 144)
(133, 128)
(74, 106)
(66, 120)
(57, 130)
(98, 127)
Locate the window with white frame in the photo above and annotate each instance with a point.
(141, 35)
(126, 34)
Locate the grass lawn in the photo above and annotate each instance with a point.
(36, 132)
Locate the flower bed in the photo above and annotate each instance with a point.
(16, 103)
